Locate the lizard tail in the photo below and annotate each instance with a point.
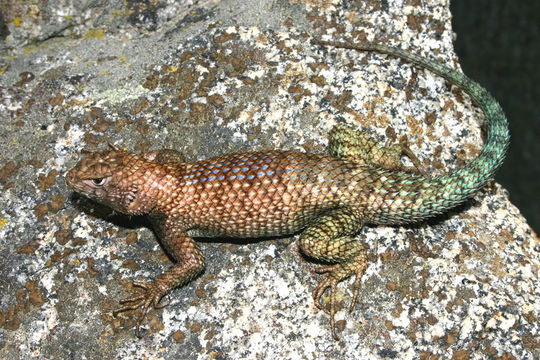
(426, 197)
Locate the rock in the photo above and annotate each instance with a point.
(209, 77)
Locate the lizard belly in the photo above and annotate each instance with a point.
(251, 220)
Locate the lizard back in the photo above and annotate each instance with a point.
(262, 193)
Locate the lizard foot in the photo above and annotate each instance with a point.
(150, 297)
(335, 274)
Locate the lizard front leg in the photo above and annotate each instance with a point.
(189, 263)
(165, 156)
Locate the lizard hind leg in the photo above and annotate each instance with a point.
(329, 239)
(347, 143)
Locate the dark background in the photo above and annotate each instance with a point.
(498, 44)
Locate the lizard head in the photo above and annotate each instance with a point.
(118, 179)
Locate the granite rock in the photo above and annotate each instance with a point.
(208, 77)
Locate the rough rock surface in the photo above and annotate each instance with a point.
(208, 77)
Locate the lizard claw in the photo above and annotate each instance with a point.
(318, 292)
(335, 274)
(150, 297)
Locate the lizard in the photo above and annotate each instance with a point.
(325, 198)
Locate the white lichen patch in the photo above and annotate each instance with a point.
(118, 95)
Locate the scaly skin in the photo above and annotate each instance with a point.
(328, 198)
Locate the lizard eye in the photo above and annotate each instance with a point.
(98, 181)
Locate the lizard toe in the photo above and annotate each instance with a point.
(150, 297)
(334, 275)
